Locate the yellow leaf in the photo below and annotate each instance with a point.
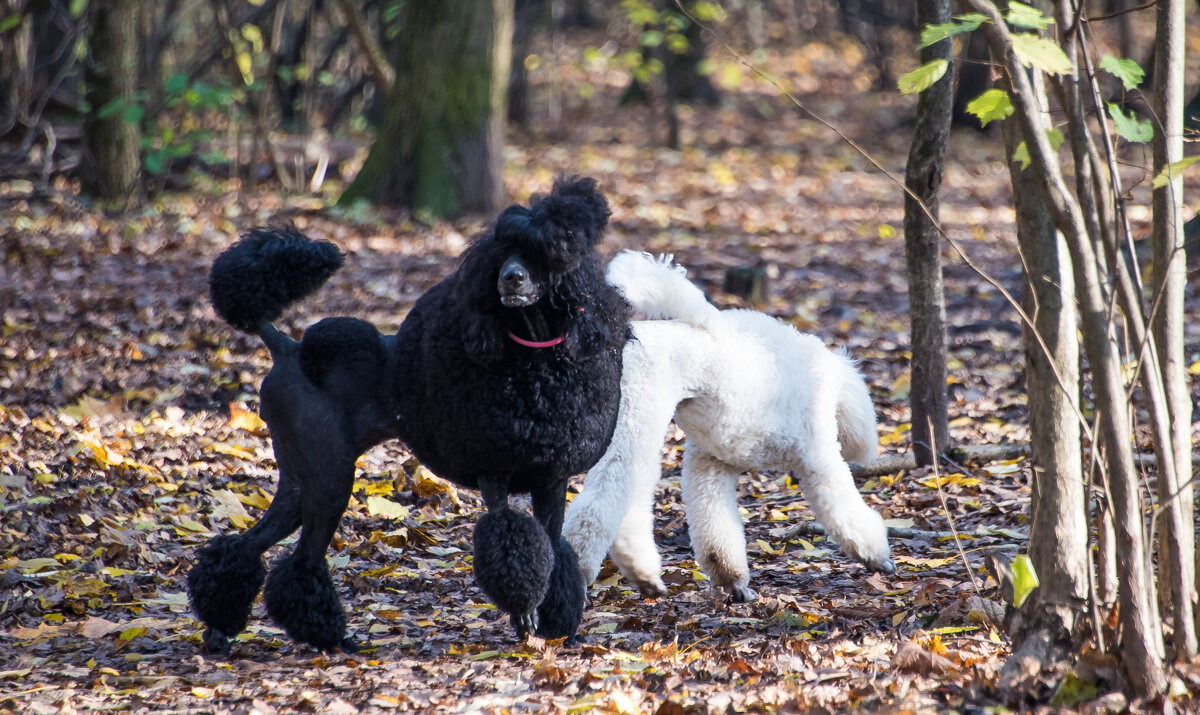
(241, 418)
(192, 525)
(105, 455)
(229, 507)
(622, 703)
(378, 487)
(766, 547)
(231, 450)
(241, 521)
(899, 618)
(378, 506)
(31, 566)
(934, 644)
(130, 633)
(257, 500)
(1194, 368)
(886, 231)
(202, 692)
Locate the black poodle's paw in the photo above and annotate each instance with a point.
(302, 599)
(525, 623)
(513, 561)
(222, 585)
(216, 642)
(562, 609)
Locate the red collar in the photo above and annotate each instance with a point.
(535, 343)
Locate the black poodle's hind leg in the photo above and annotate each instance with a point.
(228, 571)
(300, 594)
(513, 559)
(562, 609)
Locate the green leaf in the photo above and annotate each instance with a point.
(1025, 579)
(1074, 690)
(10, 22)
(1128, 71)
(1020, 15)
(992, 104)
(937, 33)
(175, 83)
(922, 77)
(133, 114)
(652, 38)
(110, 108)
(1172, 170)
(1021, 153)
(1040, 53)
(1128, 126)
(155, 163)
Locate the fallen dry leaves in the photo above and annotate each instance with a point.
(128, 437)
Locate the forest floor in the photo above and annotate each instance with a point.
(128, 437)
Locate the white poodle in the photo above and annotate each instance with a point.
(750, 392)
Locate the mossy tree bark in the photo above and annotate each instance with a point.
(112, 161)
(439, 148)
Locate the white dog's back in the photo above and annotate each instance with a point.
(657, 288)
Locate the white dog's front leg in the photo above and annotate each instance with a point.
(628, 472)
(634, 550)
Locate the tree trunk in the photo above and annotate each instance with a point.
(1141, 646)
(527, 14)
(1044, 628)
(923, 176)
(112, 162)
(440, 146)
(1170, 279)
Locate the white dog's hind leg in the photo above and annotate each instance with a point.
(829, 489)
(718, 538)
(634, 550)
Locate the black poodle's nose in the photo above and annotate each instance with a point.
(516, 286)
(513, 275)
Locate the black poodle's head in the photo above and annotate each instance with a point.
(535, 277)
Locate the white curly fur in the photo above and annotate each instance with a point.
(750, 392)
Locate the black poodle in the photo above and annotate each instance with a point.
(504, 377)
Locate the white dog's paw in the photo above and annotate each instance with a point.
(741, 593)
(651, 587)
(866, 541)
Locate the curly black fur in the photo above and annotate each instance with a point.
(303, 601)
(517, 586)
(459, 383)
(266, 271)
(562, 610)
(222, 586)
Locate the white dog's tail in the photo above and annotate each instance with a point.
(855, 414)
(657, 288)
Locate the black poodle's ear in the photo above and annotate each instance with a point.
(598, 313)
(575, 202)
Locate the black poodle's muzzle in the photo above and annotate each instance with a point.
(516, 286)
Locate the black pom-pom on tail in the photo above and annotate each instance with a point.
(267, 270)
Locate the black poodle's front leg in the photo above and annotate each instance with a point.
(562, 609)
(513, 558)
(228, 571)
